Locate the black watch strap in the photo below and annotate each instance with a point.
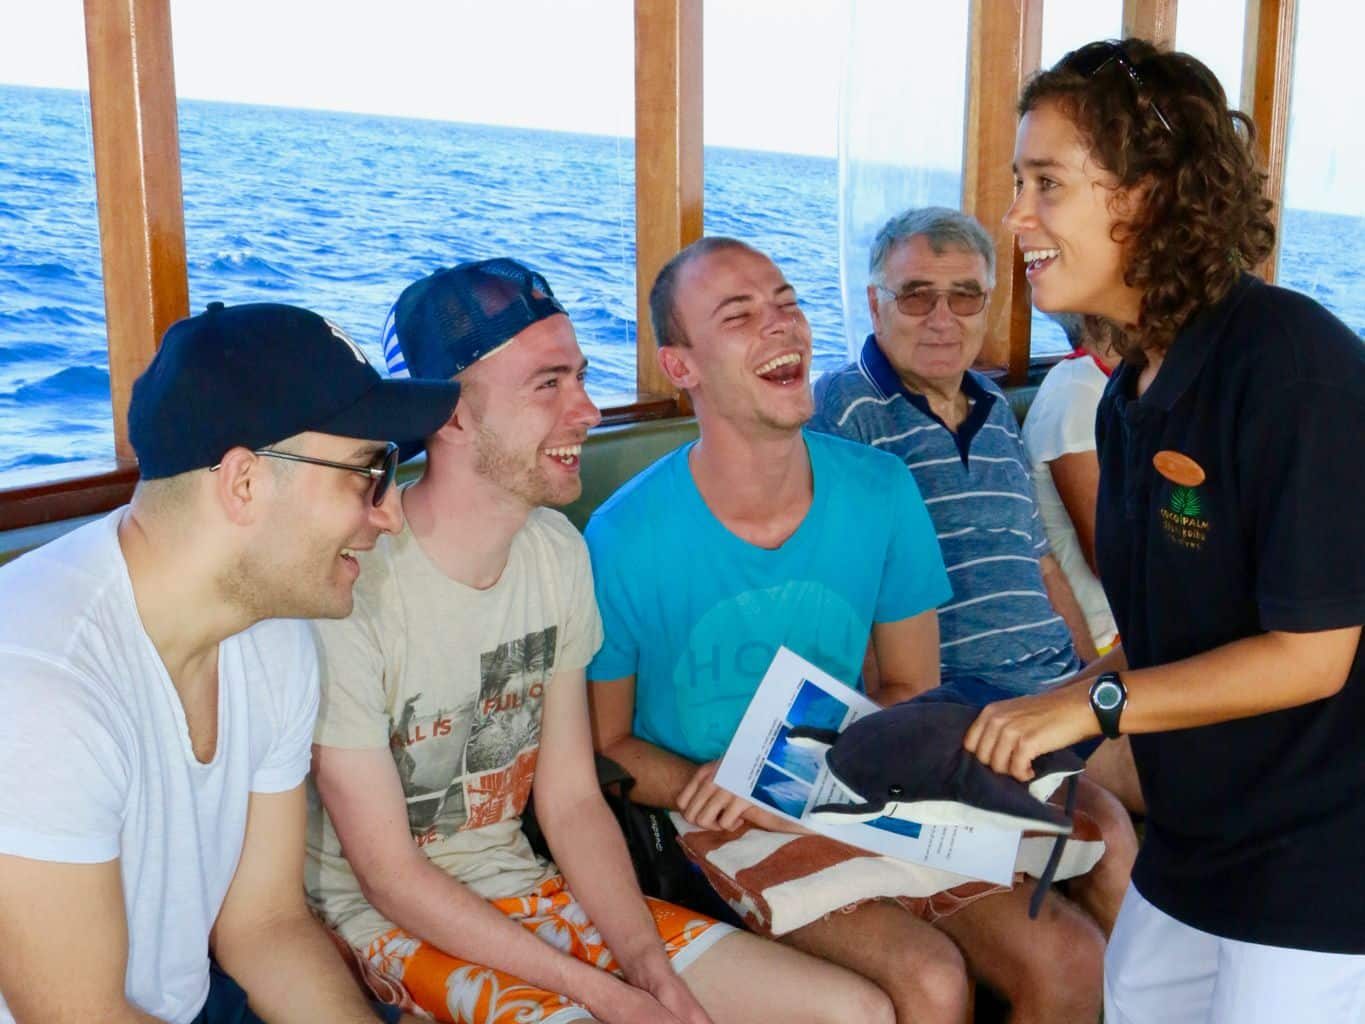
(1108, 697)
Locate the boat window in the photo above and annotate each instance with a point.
(901, 128)
(396, 145)
(55, 410)
(1322, 225)
(1214, 31)
(1068, 24)
(771, 125)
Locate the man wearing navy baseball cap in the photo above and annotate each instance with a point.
(158, 704)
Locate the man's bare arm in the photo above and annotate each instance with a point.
(266, 938)
(907, 658)
(589, 849)
(663, 779)
(1064, 603)
(364, 798)
(64, 937)
(659, 775)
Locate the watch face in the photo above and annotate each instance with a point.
(1107, 696)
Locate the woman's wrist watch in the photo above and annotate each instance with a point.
(1108, 697)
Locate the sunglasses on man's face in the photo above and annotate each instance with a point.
(921, 301)
(382, 470)
(1093, 58)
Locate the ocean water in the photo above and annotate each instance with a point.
(338, 212)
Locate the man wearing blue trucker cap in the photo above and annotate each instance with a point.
(459, 678)
(154, 730)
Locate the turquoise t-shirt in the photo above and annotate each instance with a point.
(696, 614)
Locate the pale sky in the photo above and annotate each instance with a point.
(774, 69)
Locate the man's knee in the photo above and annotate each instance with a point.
(943, 989)
(840, 994)
(868, 1002)
(928, 984)
(1116, 828)
(1063, 963)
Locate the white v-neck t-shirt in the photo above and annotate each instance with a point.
(96, 761)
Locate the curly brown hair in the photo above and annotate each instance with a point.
(1160, 121)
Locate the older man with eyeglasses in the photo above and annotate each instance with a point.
(1013, 625)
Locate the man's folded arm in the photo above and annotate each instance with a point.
(64, 938)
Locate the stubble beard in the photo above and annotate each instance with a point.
(265, 589)
(530, 483)
(788, 419)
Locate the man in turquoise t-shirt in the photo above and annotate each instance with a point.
(761, 535)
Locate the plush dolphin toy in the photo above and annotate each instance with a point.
(907, 761)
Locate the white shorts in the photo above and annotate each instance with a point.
(1159, 971)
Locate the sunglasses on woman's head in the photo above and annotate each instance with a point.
(1093, 58)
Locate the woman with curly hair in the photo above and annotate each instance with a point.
(1229, 540)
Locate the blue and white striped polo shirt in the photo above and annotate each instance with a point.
(999, 626)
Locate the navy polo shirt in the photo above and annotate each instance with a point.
(1255, 827)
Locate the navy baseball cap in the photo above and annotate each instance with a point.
(254, 374)
(451, 319)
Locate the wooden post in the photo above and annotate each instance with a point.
(137, 180)
(1153, 20)
(668, 155)
(1006, 44)
(1267, 74)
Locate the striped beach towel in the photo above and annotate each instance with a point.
(778, 882)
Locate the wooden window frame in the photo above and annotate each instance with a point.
(1267, 74)
(141, 213)
(1005, 47)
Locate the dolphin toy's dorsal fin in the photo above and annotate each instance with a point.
(811, 738)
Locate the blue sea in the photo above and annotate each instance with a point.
(338, 212)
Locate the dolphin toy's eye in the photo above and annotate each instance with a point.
(894, 791)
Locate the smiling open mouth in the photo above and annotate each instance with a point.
(566, 455)
(781, 369)
(1037, 260)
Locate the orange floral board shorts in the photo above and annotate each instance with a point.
(403, 970)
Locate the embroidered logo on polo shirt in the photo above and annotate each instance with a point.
(1182, 519)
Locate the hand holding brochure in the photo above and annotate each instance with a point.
(762, 766)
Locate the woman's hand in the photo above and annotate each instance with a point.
(1009, 734)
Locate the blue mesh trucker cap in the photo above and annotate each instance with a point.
(255, 374)
(451, 319)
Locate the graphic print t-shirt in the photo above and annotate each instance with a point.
(452, 681)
